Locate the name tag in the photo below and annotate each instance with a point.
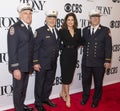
(47, 37)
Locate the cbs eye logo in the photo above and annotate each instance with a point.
(115, 24)
(75, 8)
(116, 1)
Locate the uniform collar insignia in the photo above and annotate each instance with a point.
(48, 29)
(99, 27)
(22, 25)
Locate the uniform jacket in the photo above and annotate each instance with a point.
(20, 47)
(46, 47)
(97, 49)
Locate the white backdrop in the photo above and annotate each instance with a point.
(8, 15)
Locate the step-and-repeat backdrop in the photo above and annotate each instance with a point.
(8, 15)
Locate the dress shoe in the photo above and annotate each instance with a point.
(27, 108)
(40, 108)
(49, 103)
(84, 101)
(94, 104)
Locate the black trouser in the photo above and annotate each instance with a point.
(43, 84)
(19, 91)
(98, 74)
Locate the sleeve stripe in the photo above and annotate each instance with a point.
(107, 59)
(35, 60)
(14, 65)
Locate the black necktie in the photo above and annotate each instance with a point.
(53, 32)
(29, 28)
(30, 32)
(92, 31)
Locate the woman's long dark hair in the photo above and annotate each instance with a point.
(64, 25)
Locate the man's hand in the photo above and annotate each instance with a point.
(37, 67)
(107, 65)
(17, 74)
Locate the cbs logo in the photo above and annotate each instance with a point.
(75, 8)
(115, 24)
(116, 1)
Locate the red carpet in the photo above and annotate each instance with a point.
(110, 101)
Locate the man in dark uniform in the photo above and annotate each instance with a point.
(97, 52)
(46, 47)
(20, 52)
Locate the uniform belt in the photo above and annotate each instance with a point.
(69, 46)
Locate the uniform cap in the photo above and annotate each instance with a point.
(94, 12)
(24, 6)
(51, 13)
